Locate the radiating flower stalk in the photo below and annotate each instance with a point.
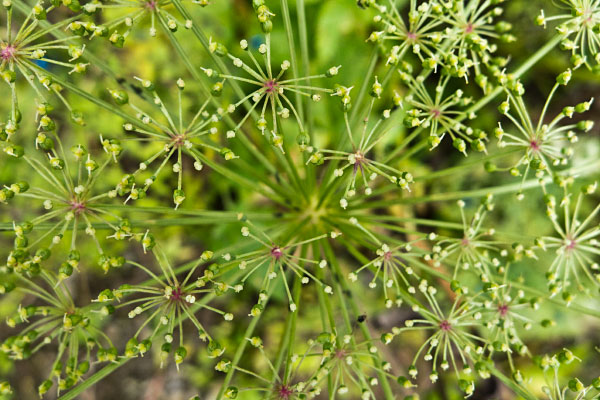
(347, 268)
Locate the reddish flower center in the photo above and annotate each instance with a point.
(469, 28)
(411, 36)
(77, 206)
(503, 309)
(285, 392)
(271, 86)
(571, 243)
(436, 113)
(151, 5)
(276, 252)
(445, 325)
(340, 353)
(535, 145)
(177, 294)
(178, 140)
(465, 242)
(387, 256)
(8, 52)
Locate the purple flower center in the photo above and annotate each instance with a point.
(469, 28)
(436, 113)
(178, 140)
(465, 242)
(445, 325)
(8, 52)
(411, 36)
(387, 256)
(151, 5)
(177, 294)
(77, 206)
(285, 392)
(276, 252)
(571, 243)
(535, 145)
(503, 309)
(271, 86)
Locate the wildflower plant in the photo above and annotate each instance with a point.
(339, 161)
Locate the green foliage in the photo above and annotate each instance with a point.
(293, 200)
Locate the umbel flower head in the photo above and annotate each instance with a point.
(447, 33)
(363, 139)
(451, 340)
(277, 259)
(441, 113)
(393, 266)
(502, 309)
(53, 320)
(123, 16)
(279, 385)
(166, 301)
(353, 366)
(580, 28)
(575, 388)
(544, 145)
(576, 246)
(23, 55)
(175, 138)
(271, 91)
(71, 206)
(475, 250)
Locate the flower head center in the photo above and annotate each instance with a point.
(469, 28)
(436, 113)
(340, 354)
(177, 294)
(465, 242)
(271, 86)
(151, 5)
(411, 36)
(570, 244)
(285, 392)
(387, 256)
(445, 325)
(8, 52)
(276, 252)
(503, 309)
(179, 139)
(535, 145)
(77, 206)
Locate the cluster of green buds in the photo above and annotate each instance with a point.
(173, 137)
(264, 15)
(67, 193)
(445, 34)
(279, 95)
(58, 321)
(21, 55)
(545, 146)
(165, 302)
(575, 388)
(580, 31)
(575, 245)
